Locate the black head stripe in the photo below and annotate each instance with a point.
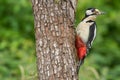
(89, 15)
(89, 21)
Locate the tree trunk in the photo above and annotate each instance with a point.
(55, 42)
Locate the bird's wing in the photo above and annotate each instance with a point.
(92, 35)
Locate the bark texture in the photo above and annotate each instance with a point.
(55, 42)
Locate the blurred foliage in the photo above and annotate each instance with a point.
(17, 42)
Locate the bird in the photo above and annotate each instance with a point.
(86, 33)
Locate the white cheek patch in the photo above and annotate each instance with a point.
(88, 12)
(97, 10)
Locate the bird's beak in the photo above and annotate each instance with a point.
(97, 12)
(102, 12)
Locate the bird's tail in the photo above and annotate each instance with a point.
(79, 64)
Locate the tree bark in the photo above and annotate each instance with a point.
(55, 42)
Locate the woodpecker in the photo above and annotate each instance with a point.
(86, 33)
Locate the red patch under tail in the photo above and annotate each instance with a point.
(81, 47)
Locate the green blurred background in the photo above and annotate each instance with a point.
(17, 41)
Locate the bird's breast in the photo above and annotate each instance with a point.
(83, 31)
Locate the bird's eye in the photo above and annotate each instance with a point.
(93, 10)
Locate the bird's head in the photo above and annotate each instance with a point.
(93, 11)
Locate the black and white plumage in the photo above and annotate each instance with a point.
(86, 29)
(85, 34)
